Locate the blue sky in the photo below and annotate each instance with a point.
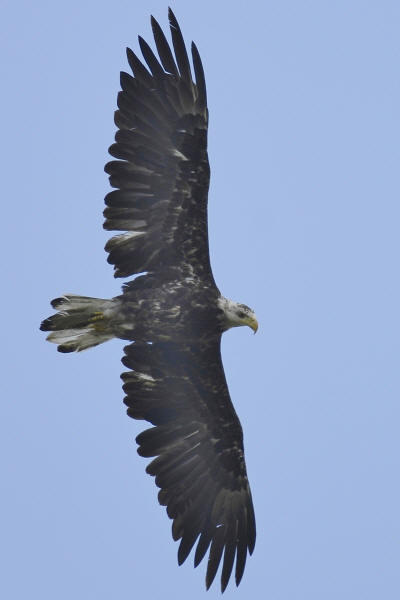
(304, 223)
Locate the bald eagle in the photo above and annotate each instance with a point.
(172, 312)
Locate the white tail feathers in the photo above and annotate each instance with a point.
(80, 323)
(76, 340)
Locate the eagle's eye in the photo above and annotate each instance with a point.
(241, 314)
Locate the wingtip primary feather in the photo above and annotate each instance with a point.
(163, 48)
(171, 16)
(199, 76)
(180, 49)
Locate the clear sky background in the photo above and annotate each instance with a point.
(304, 103)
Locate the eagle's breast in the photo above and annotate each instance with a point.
(180, 310)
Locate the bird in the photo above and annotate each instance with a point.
(171, 311)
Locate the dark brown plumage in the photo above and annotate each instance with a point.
(173, 314)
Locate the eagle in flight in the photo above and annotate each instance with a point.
(172, 313)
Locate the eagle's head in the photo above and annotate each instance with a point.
(236, 314)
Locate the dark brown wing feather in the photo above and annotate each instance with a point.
(162, 172)
(198, 444)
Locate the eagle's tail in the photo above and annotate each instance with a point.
(80, 322)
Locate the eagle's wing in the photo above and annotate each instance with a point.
(162, 174)
(198, 442)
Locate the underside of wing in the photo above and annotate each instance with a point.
(161, 174)
(197, 443)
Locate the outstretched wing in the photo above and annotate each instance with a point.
(198, 442)
(162, 172)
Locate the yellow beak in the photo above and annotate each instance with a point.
(253, 323)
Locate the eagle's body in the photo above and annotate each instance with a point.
(172, 313)
(180, 310)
